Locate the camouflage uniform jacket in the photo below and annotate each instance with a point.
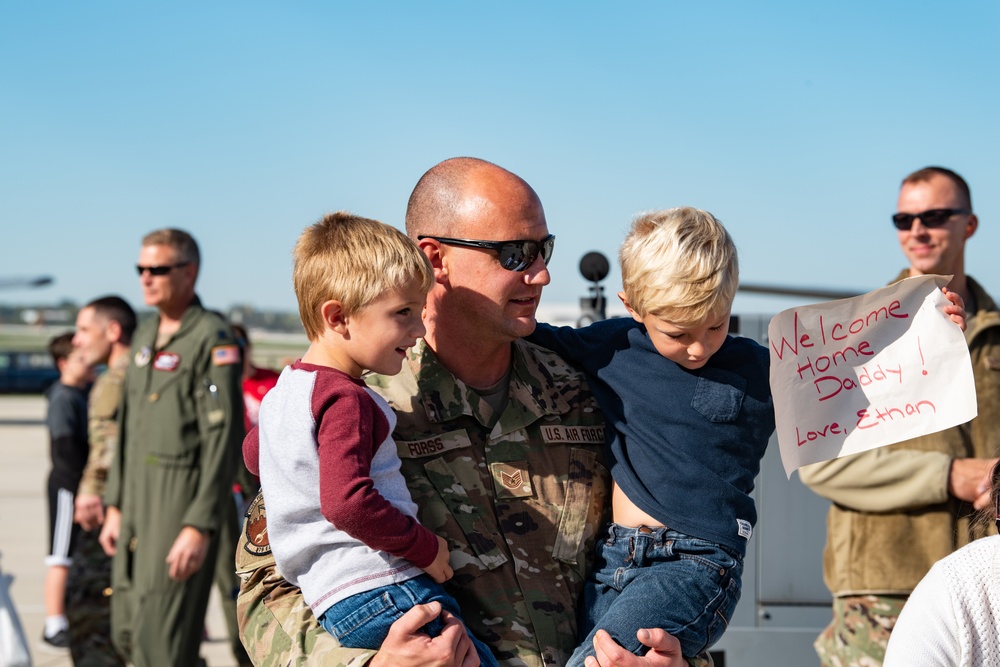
(892, 517)
(102, 426)
(519, 501)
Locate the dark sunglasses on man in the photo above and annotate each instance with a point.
(158, 270)
(513, 255)
(931, 219)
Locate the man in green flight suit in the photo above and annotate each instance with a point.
(501, 444)
(169, 486)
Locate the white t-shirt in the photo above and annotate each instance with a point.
(951, 619)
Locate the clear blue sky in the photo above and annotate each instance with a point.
(244, 122)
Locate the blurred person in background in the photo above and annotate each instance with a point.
(169, 490)
(66, 419)
(898, 509)
(104, 329)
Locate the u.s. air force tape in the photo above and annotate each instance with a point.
(557, 434)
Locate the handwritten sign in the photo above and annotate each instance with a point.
(851, 375)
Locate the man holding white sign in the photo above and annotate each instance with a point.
(898, 509)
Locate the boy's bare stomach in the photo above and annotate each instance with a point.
(625, 513)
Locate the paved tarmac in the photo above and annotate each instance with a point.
(24, 452)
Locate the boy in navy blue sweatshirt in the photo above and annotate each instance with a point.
(689, 412)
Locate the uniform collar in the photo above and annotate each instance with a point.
(986, 315)
(533, 392)
(122, 362)
(194, 312)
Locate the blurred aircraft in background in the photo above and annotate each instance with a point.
(37, 281)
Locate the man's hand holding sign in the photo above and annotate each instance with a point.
(851, 375)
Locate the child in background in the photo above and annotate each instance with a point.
(66, 419)
(341, 523)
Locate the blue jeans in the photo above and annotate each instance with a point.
(658, 578)
(363, 620)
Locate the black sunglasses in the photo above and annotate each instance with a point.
(936, 217)
(158, 270)
(514, 255)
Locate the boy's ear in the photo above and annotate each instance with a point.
(628, 307)
(333, 316)
(432, 249)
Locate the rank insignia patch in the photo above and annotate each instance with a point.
(511, 479)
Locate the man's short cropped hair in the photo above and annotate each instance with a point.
(183, 243)
(60, 347)
(353, 260)
(116, 309)
(680, 265)
(927, 173)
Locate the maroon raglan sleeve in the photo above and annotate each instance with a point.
(349, 428)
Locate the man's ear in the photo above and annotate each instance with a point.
(333, 316)
(628, 307)
(971, 226)
(432, 249)
(191, 269)
(113, 332)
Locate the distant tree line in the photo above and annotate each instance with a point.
(65, 313)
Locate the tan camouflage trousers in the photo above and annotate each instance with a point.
(858, 634)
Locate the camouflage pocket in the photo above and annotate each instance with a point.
(586, 493)
(467, 512)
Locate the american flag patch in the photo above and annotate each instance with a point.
(223, 355)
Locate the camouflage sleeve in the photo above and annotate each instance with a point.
(102, 430)
(276, 625)
(113, 483)
(95, 473)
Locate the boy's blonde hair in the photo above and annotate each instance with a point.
(353, 260)
(679, 264)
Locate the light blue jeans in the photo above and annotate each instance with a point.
(658, 578)
(363, 620)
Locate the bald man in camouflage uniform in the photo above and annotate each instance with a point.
(501, 446)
